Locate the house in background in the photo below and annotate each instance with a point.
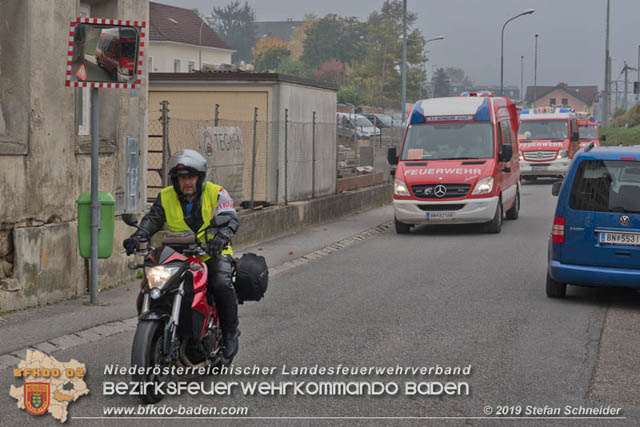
(181, 42)
(580, 98)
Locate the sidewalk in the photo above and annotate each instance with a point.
(76, 322)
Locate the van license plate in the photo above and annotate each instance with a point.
(626, 239)
(539, 167)
(439, 215)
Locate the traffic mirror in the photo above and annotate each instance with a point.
(104, 54)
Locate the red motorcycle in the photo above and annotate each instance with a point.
(178, 321)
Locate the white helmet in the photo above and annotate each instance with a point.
(187, 162)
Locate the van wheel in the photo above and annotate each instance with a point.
(401, 227)
(495, 225)
(555, 289)
(514, 212)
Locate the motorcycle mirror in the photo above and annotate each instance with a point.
(130, 219)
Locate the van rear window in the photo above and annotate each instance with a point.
(606, 186)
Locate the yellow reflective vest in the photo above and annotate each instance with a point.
(175, 216)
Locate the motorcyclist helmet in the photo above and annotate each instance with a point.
(187, 162)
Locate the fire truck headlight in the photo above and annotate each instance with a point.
(484, 186)
(400, 188)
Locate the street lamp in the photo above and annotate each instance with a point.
(526, 12)
(535, 74)
(425, 43)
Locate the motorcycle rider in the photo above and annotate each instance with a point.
(190, 203)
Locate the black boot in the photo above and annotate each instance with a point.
(226, 302)
(230, 344)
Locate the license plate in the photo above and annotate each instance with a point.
(439, 215)
(626, 239)
(539, 167)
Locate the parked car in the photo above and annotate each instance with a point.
(380, 121)
(595, 240)
(397, 120)
(355, 126)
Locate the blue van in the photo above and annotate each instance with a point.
(595, 240)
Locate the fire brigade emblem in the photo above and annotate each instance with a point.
(36, 397)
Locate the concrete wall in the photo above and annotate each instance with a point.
(163, 54)
(44, 163)
(273, 221)
(301, 102)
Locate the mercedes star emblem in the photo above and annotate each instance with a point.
(440, 190)
(625, 220)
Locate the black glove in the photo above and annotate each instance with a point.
(131, 244)
(217, 244)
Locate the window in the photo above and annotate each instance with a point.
(506, 132)
(565, 102)
(176, 65)
(606, 186)
(439, 141)
(150, 65)
(552, 102)
(192, 65)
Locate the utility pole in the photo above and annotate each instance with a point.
(638, 93)
(521, 79)
(535, 74)
(626, 85)
(607, 73)
(404, 60)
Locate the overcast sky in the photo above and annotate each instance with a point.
(570, 46)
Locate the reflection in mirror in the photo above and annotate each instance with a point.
(104, 54)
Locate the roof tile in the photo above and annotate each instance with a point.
(176, 24)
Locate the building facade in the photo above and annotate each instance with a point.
(181, 42)
(580, 98)
(45, 151)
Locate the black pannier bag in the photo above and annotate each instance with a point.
(252, 277)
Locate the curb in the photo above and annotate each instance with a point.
(104, 330)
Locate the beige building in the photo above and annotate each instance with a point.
(192, 103)
(45, 152)
(580, 98)
(180, 41)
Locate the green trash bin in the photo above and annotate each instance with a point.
(107, 222)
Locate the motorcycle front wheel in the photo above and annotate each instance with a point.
(147, 352)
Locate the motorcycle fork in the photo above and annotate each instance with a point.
(170, 345)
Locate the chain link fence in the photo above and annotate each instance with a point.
(262, 162)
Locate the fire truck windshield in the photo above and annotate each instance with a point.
(440, 141)
(544, 129)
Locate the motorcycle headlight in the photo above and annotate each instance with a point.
(155, 293)
(400, 188)
(158, 276)
(484, 186)
(563, 154)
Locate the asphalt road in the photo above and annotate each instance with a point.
(444, 296)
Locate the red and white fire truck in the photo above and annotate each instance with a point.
(548, 138)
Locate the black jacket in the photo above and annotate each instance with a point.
(153, 221)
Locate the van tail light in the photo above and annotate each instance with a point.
(557, 233)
